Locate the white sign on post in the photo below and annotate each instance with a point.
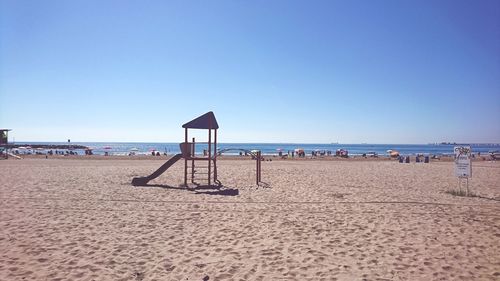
(463, 165)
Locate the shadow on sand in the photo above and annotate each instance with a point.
(202, 189)
(225, 192)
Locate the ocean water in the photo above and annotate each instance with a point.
(124, 148)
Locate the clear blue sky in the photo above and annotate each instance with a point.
(272, 71)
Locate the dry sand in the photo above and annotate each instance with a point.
(74, 219)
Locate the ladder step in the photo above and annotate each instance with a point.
(199, 179)
(200, 173)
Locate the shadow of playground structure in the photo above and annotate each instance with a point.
(202, 189)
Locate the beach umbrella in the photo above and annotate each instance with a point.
(107, 148)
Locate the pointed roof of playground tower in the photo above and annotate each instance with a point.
(206, 121)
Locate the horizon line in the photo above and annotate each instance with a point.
(282, 143)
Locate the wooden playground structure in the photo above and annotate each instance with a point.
(199, 167)
(188, 150)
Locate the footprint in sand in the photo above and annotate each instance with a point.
(138, 276)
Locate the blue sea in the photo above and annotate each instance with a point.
(124, 148)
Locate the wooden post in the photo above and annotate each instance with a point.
(192, 161)
(215, 158)
(209, 155)
(185, 157)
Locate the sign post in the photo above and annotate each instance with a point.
(463, 167)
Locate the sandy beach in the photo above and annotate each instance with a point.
(81, 219)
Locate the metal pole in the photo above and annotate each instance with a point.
(7, 145)
(260, 166)
(467, 188)
(257, 170)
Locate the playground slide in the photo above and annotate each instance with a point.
(13, 155)
(144, 180)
